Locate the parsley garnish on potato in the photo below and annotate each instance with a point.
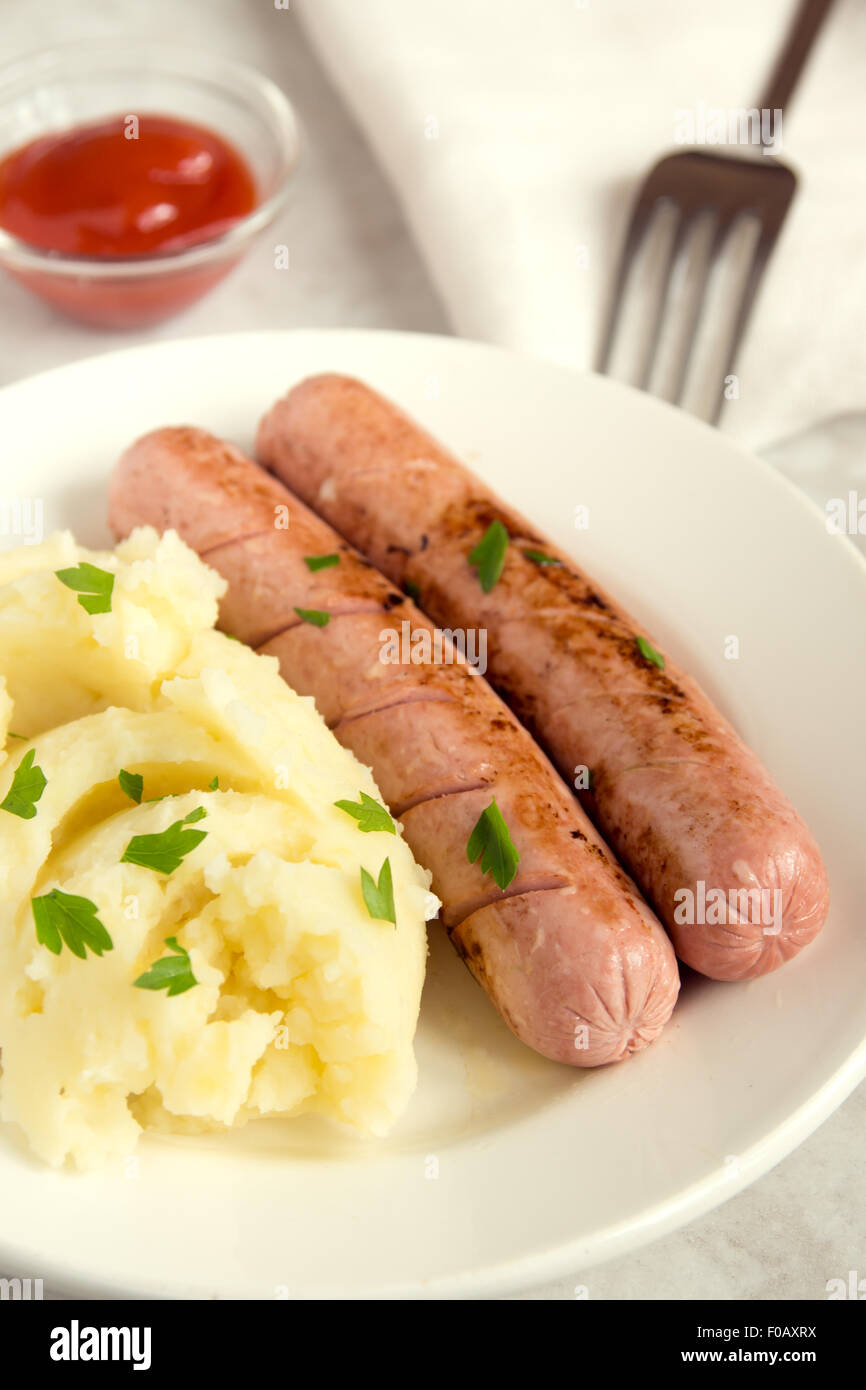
(369, 814)
(172, 973)
(63, 918)
(132, 783)
(93, 586)
(379, 897)
(28, 784)
(164, 851)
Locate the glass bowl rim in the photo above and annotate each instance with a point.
(183, 63)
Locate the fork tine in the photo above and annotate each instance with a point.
(694, 311)
(711, 193)
(683, 305)
(636, 231)
(652, 342)
(761, 255)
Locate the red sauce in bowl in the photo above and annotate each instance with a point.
(126, 186)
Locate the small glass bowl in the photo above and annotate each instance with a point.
(78, 83)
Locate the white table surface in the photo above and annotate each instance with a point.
(354, 265)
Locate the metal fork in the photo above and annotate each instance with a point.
(710, 201)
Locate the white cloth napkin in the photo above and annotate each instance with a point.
(516, 133)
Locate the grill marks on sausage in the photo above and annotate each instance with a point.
(399, 808)
(572, 598)
(564, 654)
(348, 609)
(566, 602)
(397, 701)
(569, 910)
(560, 591)
(396, 697)
(461, 911)
(235, 540)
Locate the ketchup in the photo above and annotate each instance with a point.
(125, 186)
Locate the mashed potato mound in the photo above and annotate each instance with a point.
(303, 1001)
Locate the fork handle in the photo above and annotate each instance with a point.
(792, 59)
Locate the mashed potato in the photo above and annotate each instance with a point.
(301, 999)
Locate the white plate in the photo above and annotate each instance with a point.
(507, 1170)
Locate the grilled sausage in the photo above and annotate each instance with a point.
(569, 953)
(715, 847)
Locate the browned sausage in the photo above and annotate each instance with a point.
(569, 953)
(686, 806)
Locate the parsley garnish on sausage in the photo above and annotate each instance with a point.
(314, 616)
(649, 653)
(492, 840)
(538, 557)
(488, 557)
(320, 562)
